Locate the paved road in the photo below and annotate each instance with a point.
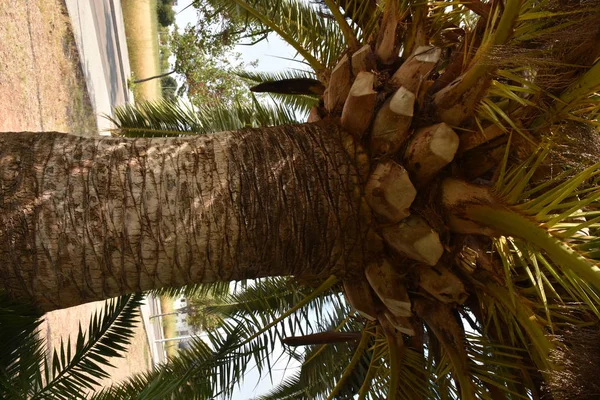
(100, 36)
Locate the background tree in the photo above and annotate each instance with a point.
(200, 316)
(169, 88)
(165, 12)
(209, 72)
(473, 254)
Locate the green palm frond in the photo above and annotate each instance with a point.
(557, 214)
(326, 368)
(553, 46)
(217, 290)
(414, 381)
(190, 375)
(361, 16)
(271, 297)
(268, 303)
(318, 40)
(27, 372)
(301, 105)
(22, 353)
(289, 389)
(540, 278)
(163, 118)
(156, 119)
(260, 77)
(320, 373)
(72, 372)
(215, 364)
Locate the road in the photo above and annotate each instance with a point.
(100, 37)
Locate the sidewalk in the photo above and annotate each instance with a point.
(99, 33)
(154, 329)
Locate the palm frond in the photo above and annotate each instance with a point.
(300, 104)
(260, 77)
(318, 40)
(163, 118)
(218, 360)
(215, 289)
(22, 354)
(73, 372)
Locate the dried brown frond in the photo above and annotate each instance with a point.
(558, 48)
(577, 144)
(579, 358)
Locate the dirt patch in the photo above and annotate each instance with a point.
(41, 84)
(42, 89)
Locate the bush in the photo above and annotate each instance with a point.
(166, 14)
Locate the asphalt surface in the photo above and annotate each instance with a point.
(100, 37)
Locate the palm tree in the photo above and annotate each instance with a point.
(448, 193)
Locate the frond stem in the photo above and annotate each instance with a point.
(512, 223)
(362, 345)
(346, 30)
(500, 36)
(364, 389)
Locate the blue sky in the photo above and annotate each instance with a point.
(270, 53)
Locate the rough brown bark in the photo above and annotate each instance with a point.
(85, 219)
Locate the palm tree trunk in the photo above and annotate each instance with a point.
(85, 219)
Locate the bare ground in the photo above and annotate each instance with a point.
(42, 89)
(40, 78)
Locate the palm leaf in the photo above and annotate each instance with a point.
(225, 356)
(318, 40)
(163, 118)
(22, 354)
(108, 335)
(300, 104)
(260, 77)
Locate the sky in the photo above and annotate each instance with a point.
(271, 55)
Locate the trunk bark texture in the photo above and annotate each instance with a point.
(86, 219)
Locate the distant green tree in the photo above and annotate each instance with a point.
(164, 48)
(210, 72)
(169, 88)
(166, 14)
(220, 24)
(199, 315)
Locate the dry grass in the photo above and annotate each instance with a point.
(42, 89)
(141, 28)
(41, 83)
